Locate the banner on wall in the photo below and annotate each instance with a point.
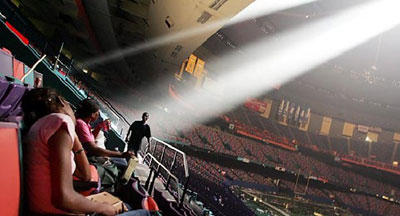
(375, 129)
(198, 71)
(255, 105)
(297, 115)
(302, 116)
(267, 108)
(366, 129)
(372, 137)
(348, 129)
(285, 114)
(291, 113)
(280, 111)
(326, 126)
(362, 128)
(191, 64)
(396, 137)
(304, 120)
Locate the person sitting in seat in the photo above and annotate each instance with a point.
(87, 112)
(52, 154)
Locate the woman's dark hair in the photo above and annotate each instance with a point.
(38, 103)
(86, 108)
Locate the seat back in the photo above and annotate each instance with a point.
(139, 189)
(11, 99)
(150, 204)
(17, 111)
(30, 78)
(3, 87)
(6, 62)
(167, 206)
(132, 193)
(10, 182)
(18, 69)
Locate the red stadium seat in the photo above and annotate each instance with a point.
(18, 69)
(150, 204)
(10, 183)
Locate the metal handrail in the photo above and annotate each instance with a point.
(152, 177)
(185, 165)
(153, 159)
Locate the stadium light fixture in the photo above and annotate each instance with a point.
(256, 9)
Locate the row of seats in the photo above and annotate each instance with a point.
(216, 140)
(11, 88)
(356, 202)
(208, 182)
(11, 67)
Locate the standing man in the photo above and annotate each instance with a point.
(139, 129)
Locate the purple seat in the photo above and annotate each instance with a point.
(6, 63)
(11, 99)
(17, 111)
(3, 87)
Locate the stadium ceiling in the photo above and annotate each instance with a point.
(83, 26)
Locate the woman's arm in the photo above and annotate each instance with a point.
(63, 195)
(105, 125)
(82, 170)
(97, 129)
(93, 149)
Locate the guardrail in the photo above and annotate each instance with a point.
(155, 158)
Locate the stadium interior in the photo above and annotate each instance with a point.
(257, 107)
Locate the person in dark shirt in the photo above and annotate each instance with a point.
(136, 132)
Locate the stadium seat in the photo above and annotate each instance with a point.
(30, 78)
(17, 111)
(3, 87)
(133, 193)
(6, 63)
(11, 99)
(166, 205)
(150, 204)
(10, 184)
(18, 69)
